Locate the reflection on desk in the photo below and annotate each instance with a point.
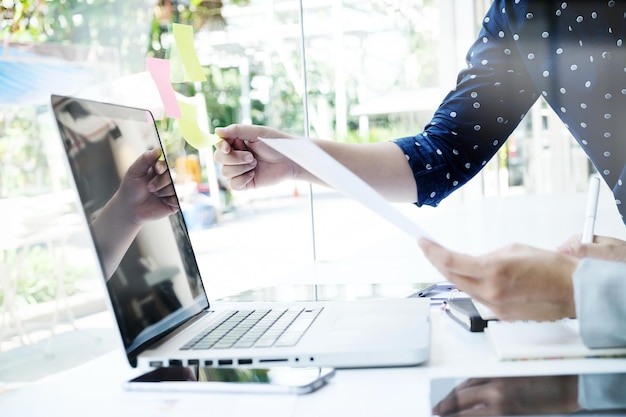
(582, 394)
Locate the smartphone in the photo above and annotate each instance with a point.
(281, 380)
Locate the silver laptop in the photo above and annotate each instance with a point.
(156, 291)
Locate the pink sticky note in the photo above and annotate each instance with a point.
(160, 71)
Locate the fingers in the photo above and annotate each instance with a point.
(232, 157)
(236, 165)
(457, 267)
(236, 137)
(571, 245)
(603, 247)
(462, 400)
(233, 171)
(144, 163)
(171, 202)
(223, 146)
(238, 131)
(241, 182)
(247, 133)
(161, 184)
(160, 167)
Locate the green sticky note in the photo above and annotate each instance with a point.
(184, 52)
(191, 131)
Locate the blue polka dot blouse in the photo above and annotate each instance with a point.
(571, 53)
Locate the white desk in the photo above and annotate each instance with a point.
(95, 389)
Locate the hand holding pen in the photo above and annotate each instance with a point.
(603, 247)
(588, 245)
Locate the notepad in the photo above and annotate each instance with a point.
(542, 340)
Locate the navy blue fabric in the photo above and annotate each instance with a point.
(571, 53)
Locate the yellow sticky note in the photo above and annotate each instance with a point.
(191, 131)
(185, 52)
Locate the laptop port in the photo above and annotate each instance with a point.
(244, 361)
(193, 362)
(225, 362)
(156, 364)
(176, 362)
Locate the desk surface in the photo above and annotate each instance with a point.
(95, 389)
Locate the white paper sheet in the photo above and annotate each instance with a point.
(311, 157)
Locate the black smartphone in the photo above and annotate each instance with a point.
(285, 380)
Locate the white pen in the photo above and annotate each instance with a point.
(592, 209)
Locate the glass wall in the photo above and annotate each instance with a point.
(343, 70)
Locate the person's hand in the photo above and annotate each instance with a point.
(248, 163)
(517, 282)
(145, 193)
(146, 190)
(510, 396)
(606, 248)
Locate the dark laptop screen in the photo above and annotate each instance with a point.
(153, 282)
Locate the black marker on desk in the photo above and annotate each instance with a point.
(592, 209)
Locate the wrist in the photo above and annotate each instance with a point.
(122, 212)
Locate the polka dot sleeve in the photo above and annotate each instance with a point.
(492, 95)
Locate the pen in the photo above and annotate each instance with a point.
(592, 208)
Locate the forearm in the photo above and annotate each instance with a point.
(113, 233)
(382, 165)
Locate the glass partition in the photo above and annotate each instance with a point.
(342, 70)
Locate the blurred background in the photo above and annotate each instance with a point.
(343, 70)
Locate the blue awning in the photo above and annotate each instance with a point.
(30, 73)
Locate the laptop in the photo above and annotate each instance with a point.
(156, 292)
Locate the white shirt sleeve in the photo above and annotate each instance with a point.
(600, 297)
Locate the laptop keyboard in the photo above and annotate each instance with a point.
(255, 328)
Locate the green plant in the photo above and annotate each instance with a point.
(22, 155)
(36, 275)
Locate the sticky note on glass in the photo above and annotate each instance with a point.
(185, 65)
(190, 130)
(159, 69)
